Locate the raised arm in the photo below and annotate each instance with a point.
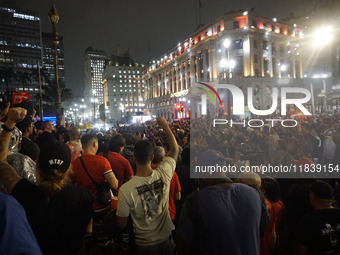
(8, 176)
(173, 153)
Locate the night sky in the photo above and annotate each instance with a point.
(139, 24)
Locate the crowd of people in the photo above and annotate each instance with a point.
(53, 178)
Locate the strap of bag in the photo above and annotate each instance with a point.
(82, 162)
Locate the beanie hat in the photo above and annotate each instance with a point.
(54, 155)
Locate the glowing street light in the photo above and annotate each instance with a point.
(283, 68)
(323, 36)
(226, 43)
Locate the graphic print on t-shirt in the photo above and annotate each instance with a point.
(151, 196)
(330, 231)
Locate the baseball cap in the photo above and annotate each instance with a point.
(54, 155)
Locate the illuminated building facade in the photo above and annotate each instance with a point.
(239, 48)
(123, 87)
(20, 43)
(94, 63)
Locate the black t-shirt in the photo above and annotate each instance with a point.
(59, 225)
(320, 231)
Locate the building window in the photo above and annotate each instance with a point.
(265, 45)
(237, 44)
(236, 24)
(256, 59)
(255, 44)
(218, 29)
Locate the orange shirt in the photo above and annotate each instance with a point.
(97, 166)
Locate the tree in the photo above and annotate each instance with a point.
(45, 76)
(48, 96)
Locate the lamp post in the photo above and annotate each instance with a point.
(83, 107)
(322, 38)
(227, 68)
(54, 18)
(94, 101)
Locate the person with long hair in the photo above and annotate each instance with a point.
(59, 213)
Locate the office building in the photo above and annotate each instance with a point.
(20, 44)
(94, 63)
(123, 87)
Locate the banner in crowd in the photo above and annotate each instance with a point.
(18, 97)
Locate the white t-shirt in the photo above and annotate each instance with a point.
(146, 199)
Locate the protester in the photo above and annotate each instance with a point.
(47, 133)
(98, 167)
(120, 166)
(28, 147)
(16, 235)
(74, 142)
(146, 196)
(318, 232)
(223, 217)
(175, 187)
(58, 213)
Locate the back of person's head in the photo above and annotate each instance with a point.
(322, 190)
(250, 178)
(74, 133)
(46, 123)
(38, 125)
(116, 143)
(53, 163)
(143, 152)
(25, 124)
(158, 154)
(271, 189)
(87, 139)
(62, 131)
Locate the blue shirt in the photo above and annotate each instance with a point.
(16, 235)
(229, 216)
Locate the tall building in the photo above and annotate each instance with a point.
(48, 56)
(94, 63)
(20, 43)
(240, 48)
(123, 87)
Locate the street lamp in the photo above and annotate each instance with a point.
(94, 101)
(54, 18)
(83, 107)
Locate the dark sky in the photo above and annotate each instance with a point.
(160, 24)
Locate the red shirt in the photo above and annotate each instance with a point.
(97, 167)
(175, 187)
(120, 166)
